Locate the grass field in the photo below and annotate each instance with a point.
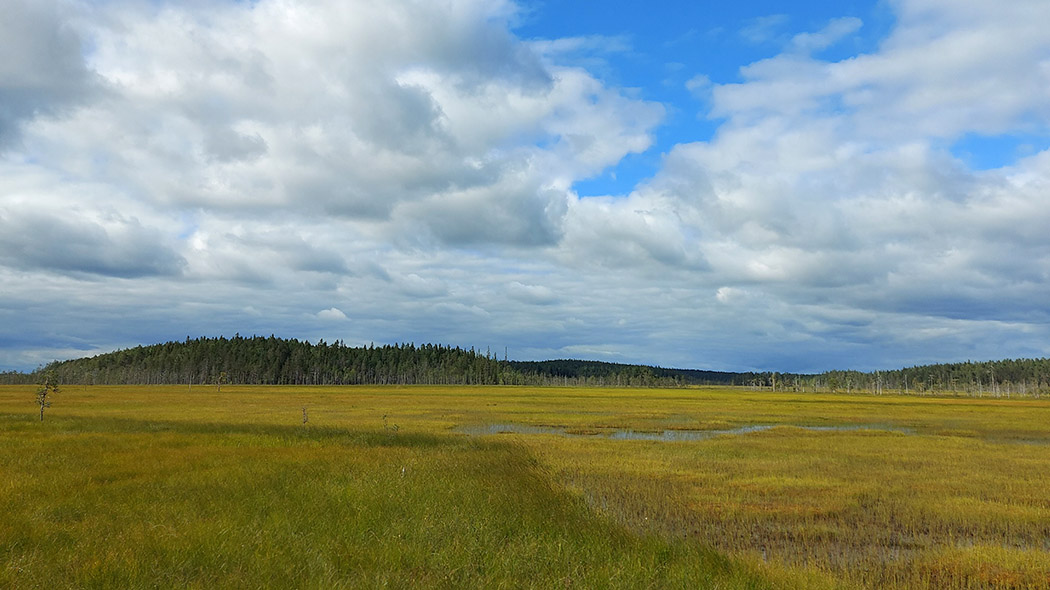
(383, 487)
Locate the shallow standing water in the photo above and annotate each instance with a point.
(662, 436)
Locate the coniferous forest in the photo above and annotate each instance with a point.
(279, 361)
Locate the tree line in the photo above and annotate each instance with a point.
(275, 361)
(279, 361)
(1002, 378)
(577, 372)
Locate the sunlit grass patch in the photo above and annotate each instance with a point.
(128, 486)
(158, 499)
(985, 566)
(862, 503)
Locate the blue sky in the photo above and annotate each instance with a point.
(727, 186)
(657, 48)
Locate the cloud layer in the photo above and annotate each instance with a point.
(404, 171)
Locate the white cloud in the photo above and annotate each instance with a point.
(331, 314)
(764, 28)
(42, 71)
(700, 85)
(416, 286)
(729, 295)
(940, 73)
(413, 164)
(586, 44)
(831, 183)
(534, 294)
(835, 31)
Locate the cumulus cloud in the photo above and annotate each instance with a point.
(835, 30)
(831, 186)
(939, 74)
(831, 182)
(343, 109)
(416, 286)
(113, 247)
(700, 86)
(238, 168)
(288, 154)
(43, 71)
(534, 294)
(331, 314)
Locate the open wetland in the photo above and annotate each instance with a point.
(521, 487)
(678, 435)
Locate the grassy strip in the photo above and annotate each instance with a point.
(117, 502)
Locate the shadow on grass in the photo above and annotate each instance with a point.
(71, 425)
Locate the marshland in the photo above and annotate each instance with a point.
(504, 486)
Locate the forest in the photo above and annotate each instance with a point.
(259, 360)
(277, 361)
(1002, 378)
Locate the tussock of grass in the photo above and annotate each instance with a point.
(986, 566)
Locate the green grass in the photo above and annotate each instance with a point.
(166, 486)
(113, 491)
(876, 509)
(960, 502)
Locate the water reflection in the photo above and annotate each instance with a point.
(662, 436)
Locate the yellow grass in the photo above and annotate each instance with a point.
(937, 493)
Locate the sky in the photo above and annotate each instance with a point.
(740, 186)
